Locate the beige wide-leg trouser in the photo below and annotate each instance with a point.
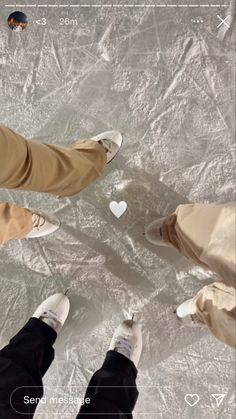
(33, 166)
(205, 233)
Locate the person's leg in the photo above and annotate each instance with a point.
(214, 305)
(23, 362)
(18, 223)
(34, 166)
(26, 358)
(204, 233)
(112, 390)
(15, 222)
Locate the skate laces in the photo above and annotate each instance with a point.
(108, 144)
(51, 318)
(38, 221)
(123, 346)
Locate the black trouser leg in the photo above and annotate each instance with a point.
(112, 390)
(23, 362)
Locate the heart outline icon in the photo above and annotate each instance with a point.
(193, 403)
(118, 208)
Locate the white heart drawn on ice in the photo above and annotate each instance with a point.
(192, 399)
(118, 208)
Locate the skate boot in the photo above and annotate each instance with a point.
(153, 233)
(43, 224)
(53, 311)
(187, 313)
(111, 141)
(127, 340)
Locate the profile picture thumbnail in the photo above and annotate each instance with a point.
(17, 21)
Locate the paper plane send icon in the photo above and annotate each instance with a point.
(218, 398)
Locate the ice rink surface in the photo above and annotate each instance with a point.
(167, 83)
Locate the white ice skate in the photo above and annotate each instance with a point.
(153, 233)
(127, 340)
(111, 141)
(186, 312)
(54, 311)
(187, 308)
(43, 224)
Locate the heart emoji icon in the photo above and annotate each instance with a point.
(118, 208)
(192, 399)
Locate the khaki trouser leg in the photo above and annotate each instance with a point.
(34, 166)
(216, 307)
(205, 233)
(15, 223)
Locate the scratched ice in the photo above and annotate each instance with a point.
(164, 77)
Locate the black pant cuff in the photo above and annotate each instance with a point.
(37, 326)
(116, 361)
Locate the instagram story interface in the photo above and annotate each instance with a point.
(117, 214)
